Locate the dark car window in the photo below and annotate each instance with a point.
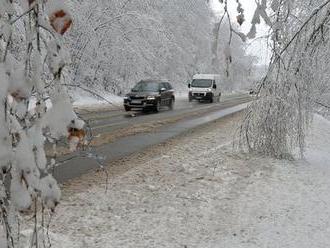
(169, 86)
(146, 87)
(163, 85)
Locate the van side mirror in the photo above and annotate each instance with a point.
(214, 86)
(189, 85)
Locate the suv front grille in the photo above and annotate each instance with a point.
(137, 97)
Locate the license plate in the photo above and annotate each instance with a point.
(136, 102)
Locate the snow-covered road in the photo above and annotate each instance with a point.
(194, 191)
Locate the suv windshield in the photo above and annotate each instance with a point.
(202, 83)
(146, 87)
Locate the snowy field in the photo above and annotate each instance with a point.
(195, 192)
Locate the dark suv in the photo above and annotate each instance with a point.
(150, 94)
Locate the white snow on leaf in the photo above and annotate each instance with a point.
(59, 117)
(73, 143)
(20, 109)
(20, 194)
(25, 161)
(57, 56)
(50, 192)
(77, 123)
(18, 85)
(38, 140)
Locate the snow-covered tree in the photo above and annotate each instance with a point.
(297, 80)
(34, 110)
(231, 60)
(116, 43)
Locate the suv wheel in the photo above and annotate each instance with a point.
(157, 107)
(171, 104)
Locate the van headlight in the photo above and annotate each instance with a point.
(151, 98)
(209, 90)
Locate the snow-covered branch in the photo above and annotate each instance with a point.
(277, 121)
(31, 114)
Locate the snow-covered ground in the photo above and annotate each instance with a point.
(194, 191)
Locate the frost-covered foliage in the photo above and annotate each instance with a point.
(116, 43)
(298, 76)
(238, 69)
(230, 60)
(34, 109)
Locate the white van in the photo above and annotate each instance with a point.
(205, 87)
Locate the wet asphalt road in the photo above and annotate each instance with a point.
(109, 121)
(74, 165)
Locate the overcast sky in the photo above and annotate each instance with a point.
(257, 47)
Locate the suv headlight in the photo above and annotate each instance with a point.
(151, 98)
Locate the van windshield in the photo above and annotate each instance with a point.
(202, 83)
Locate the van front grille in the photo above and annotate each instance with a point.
(199, 94)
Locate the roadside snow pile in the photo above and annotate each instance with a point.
(194, 192)
(83, 99)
